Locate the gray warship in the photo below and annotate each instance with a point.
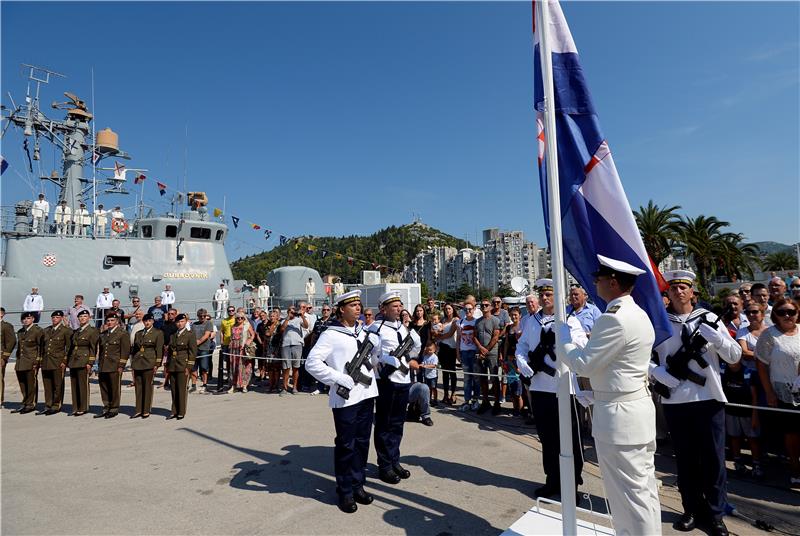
(134, 257)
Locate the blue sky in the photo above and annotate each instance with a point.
(344, 118)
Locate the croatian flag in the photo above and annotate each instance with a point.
(595, 215)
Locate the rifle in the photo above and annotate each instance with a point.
(546, 346)
(402, 349)
(692, 349)
(353, 368)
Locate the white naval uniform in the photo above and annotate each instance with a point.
(33, 303)
(100, 221)
(116, 215)
(616, 361)
(104, 301)
(82, 221)
(167, 297)
(388, 333)
(263, 296)
(311, 291)
(531, 334)
(39, 211)
(221, 298)
(62, 216)
(335, 347)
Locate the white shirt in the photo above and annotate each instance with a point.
(391, 334)
(617, 360)
(221, 295)
(100, 216)
(117, 215)
(336, 346)
(104, 300)
(431, 373)
(41, 208)
(82, 217)
(33, 302)
(167, 297)
(529, 340)
(730, 352)
(263, 291)
(311, 288)
(62, 214)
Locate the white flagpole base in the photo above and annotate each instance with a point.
(539, 521)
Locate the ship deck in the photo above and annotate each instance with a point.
(259, 463)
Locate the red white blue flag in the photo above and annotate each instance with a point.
(595, 215)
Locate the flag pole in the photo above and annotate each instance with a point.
(566, 461)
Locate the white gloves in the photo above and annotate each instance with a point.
(563, 333)
(345, 381)
(710, 334)
(585, 398)
(524, 368)
(662, 376)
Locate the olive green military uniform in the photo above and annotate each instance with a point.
(57, 340)
(182, 353)
(115, 347)
(8, 341)
(148, 349)
(82, 354)
(29, 356)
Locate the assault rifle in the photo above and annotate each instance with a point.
(546, 346)
(353, 368)
(401, 351)
(692, 349)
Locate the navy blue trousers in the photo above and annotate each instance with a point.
(545, 412)
(698, 436)
(353, 425)
(390, 416)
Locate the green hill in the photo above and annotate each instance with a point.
(393, 247)
(767, 248)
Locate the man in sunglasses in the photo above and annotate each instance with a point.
(695, 410)
(225, 328)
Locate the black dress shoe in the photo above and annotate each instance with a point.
(146, 415)
(43, 412)
(25, 410)
(362, 497)
(547, 490)
(389, 476)
(136, 415)
(78, 413)
(717, 528)
(52, 411)
(179, 417)
(101, 415)
(347, 504)
(111, 415)
(401, 471)
(427, 421)
(685, 524)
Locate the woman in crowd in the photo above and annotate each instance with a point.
(262, 345)
(273, 333)
(405, 318)
(747, 337)
(778, 355)
(448, 351)
(512, 333)
(241, 366)
(420, 324)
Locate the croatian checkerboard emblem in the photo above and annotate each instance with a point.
(49, 260)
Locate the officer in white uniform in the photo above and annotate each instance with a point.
(100, 220)
(263, 294)
(118, 218)
(40, 212)
(62, 216)
(311, 290)
(544, 387)
(352, 417)
(616, 360)
(34, 303)
(695, 413)
(82, 220)
(221, 298)
(393, 385)
(168, 296)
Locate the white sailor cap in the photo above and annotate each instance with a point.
(674, 277)
(389, 297)
(545, 283)
(348, 297)
(609, 266)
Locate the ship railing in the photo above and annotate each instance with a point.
(14, 220)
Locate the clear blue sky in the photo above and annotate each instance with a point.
(343, 118)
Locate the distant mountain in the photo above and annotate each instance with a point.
(393, 247)
(768, 248)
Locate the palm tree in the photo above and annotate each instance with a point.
(736, 258)
(781, 260)
(657, 227)
(703, 242)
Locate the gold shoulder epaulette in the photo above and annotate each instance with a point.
(613, 309)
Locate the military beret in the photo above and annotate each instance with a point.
(84, 312)
(27, 314)
(147, 316)
(56, 313)
(181, 317)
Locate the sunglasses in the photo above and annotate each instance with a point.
(795, 286)
(468, 309)
(239, 318)
(486, 305)
(368, 314)
(786, 312)
(752, 312)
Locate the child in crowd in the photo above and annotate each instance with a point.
(436, 324)
(429, 363)
(739, 385)
(513, 387)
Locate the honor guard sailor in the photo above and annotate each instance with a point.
(115, 347)
(8, 341)
(687, 374)
(616, 361)
(536, 359)
(29, 357)
(82, 355)
(341, 353)
(393, 385)
(180, 359)
(57, 340)
(148, 349)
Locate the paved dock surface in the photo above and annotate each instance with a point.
(257, 463)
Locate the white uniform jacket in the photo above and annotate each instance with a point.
(104, 301)
(531, 334)
(167, 297)
(221, 295)
(40, 209)
(263, 292)
(336, 346)
(391, 334)
(729, 351)
(100, 217)
(82, 217)
(62, 215)
(33, 302)
(616, 360)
